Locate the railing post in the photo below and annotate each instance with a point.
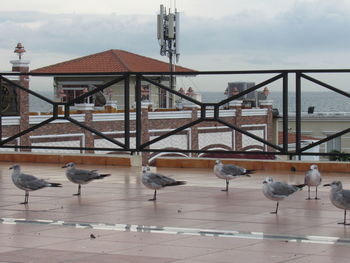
(127, 111)
(1, 99)
(285, 113)
(298, 114)
(138, 112)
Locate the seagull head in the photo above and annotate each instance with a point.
(336, 185)
(268, 180)
(217, 162)
(146, 169)
(314, 167)
(69, 165)
(15, 167)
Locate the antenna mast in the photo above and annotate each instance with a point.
(168, 25)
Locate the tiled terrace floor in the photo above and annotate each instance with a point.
(235, 226)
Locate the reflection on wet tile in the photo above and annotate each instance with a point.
(122, 199)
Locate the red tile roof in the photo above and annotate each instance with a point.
(292, 138)
(113, 60)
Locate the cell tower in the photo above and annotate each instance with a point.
(168, 25)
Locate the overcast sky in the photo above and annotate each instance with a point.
(214, 35)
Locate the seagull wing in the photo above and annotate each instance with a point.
(282, 189)
(82, 175)
(31, 182)
(232, 169)
(160, 179)
(345, 198)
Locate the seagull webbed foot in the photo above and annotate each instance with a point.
(344, 223)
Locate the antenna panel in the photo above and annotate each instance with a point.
(171, 25)
(177, 34)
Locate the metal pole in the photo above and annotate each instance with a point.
(138, 112)
(127, 111)
(1, 99)
(170, 104)
(298, 114)
(285, 113)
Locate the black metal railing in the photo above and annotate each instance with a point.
(275, 149)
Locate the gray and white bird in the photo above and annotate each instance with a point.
(230, 171)
(278, 191)
(80, 176)
(157, 181)
(28, 182)
(339, 197)
(312, 178)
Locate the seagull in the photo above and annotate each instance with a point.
(80, 176)
(278, 191)
(28, 182)
(157, 181)
(339, 197)
(230, 171)
(312, 178)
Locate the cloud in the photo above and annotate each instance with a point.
(316, 30)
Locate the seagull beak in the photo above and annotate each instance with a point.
(264, 182)
(326, 185)
(64, 166)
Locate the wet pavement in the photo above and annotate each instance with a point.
(113, 221)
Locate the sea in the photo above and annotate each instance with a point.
(321, 101)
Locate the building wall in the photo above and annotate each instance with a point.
(205, 135)
(319, 126)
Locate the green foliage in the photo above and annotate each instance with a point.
(340, 156)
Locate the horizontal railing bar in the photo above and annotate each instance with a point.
(180, 73)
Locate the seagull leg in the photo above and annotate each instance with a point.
(26, 197)
(154, 196)
(227, 182)
(79, 187)
(316, 198)
(344, 223)
(275, 212)
(308, 193)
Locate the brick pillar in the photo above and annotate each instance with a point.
(89, 137)
(194, 133)
(237, 105)
(145, 135)
(267, 104)
(22, 66)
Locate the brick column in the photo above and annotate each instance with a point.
(145, 135)
(237, 105)
(267, 104)
(89, 137)
(194, 133)
(22, 66)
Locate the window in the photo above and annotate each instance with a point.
(72, 91)
(334, 144)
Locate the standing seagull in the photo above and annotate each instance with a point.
(312, 178)
(339, 197)
(28, 182)
(277, 191)
(80, 176)
(157, 181)
(230, 171)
